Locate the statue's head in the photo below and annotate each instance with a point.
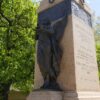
(82, 1)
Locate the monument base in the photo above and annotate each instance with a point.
(54, 95)
(82, 96)
(45, 95)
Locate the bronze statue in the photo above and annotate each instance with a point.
(49, 33)
(82, 1)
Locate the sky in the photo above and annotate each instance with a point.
(95, 5)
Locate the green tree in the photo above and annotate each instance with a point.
(98, 57)
(97, 37)
(17, 21)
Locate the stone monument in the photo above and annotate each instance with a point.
(73, 50)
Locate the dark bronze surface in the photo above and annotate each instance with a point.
(50, 29)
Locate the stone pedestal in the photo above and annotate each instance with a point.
(55, 95)
(81, 96)
(45, 95)
(79, 71)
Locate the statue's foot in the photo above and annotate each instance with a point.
(54, 86)
(45, 85)
(51, 86)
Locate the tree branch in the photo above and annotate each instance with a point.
(1, 12)
(4, 16)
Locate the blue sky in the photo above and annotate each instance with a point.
(95, 5)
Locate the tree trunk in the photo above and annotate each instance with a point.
(4, 91)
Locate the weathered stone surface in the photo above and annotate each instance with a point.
(54, 95)
(66, 78)
(78, 69)
(38, 80)
(78, 66)
(82, 96)
(45, 95)
(84, 52)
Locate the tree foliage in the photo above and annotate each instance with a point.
(98, 57)
(18, 18)
(97, 37)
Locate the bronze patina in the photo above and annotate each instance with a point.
(50, 29)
